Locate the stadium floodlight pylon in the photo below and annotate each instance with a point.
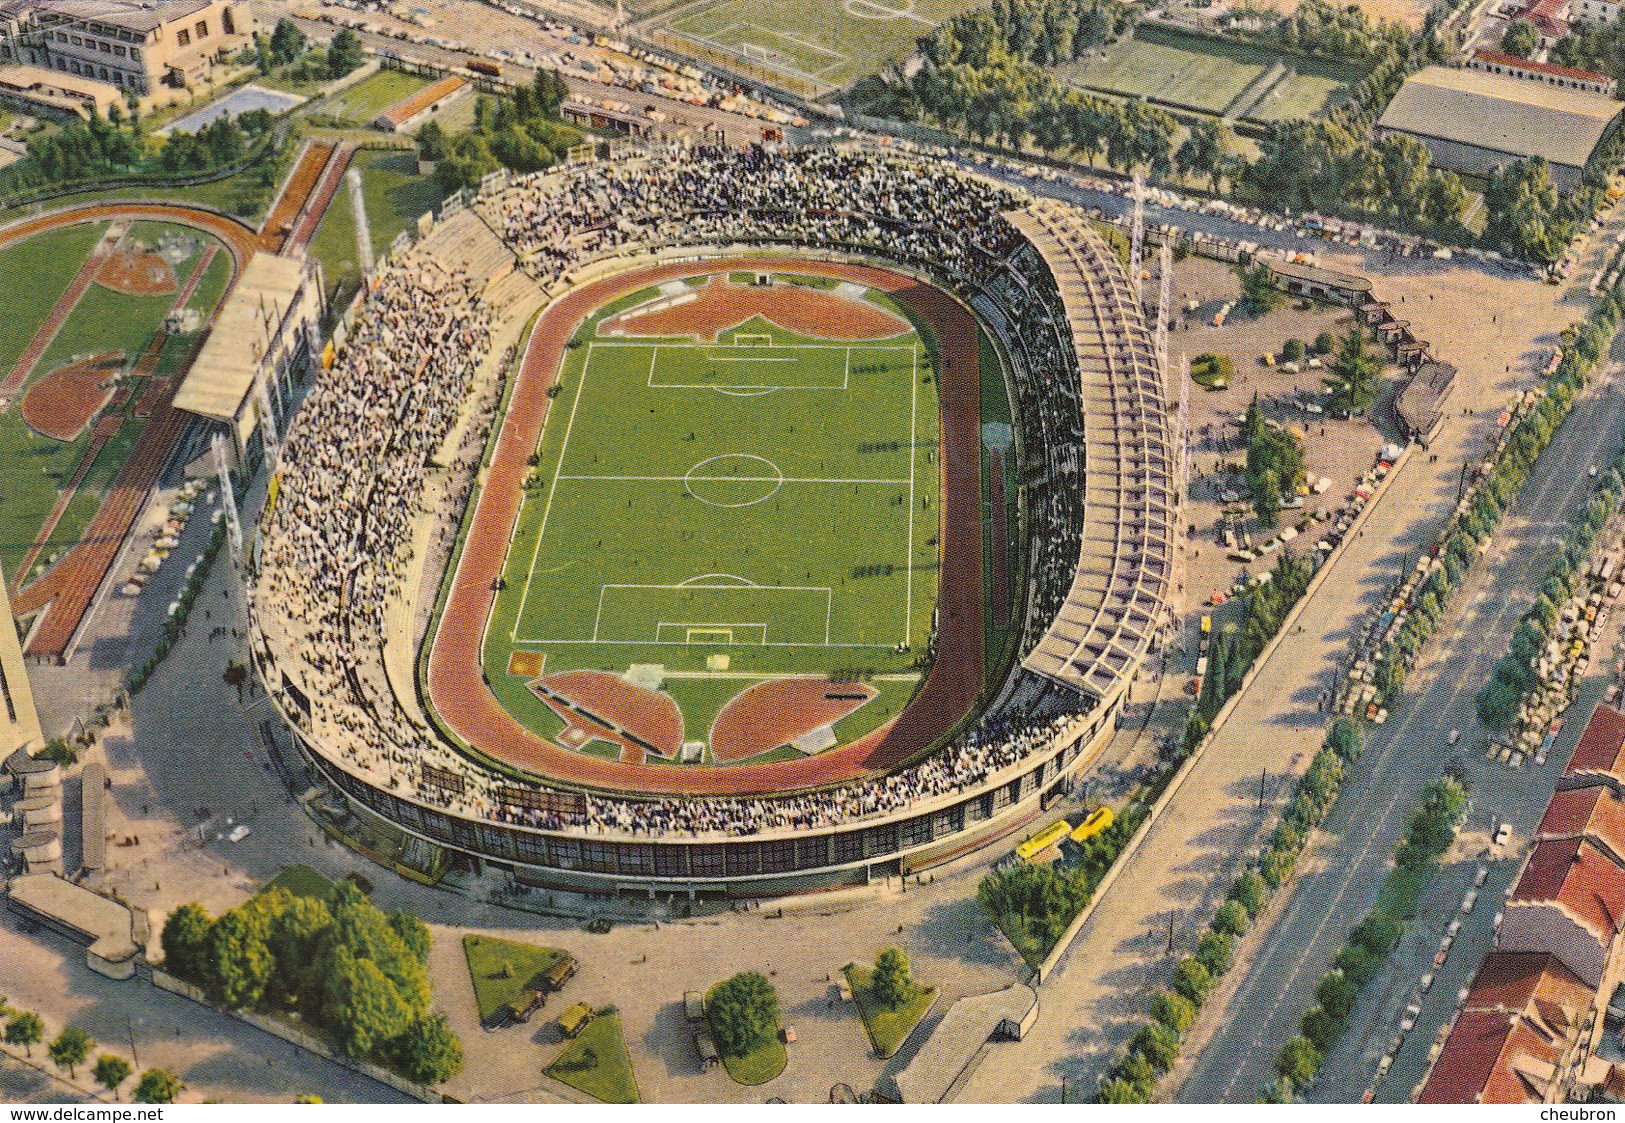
(1165, 273)
(268, 426)
(228, 498)
(1136, 242)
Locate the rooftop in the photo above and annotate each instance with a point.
(1502, 114)
(222, 376)
(964, 1029)
(1578, 877)
(1595, 812)
(1496, 58)
(431, 94)
(103, 922)
(136, 15)
(1491, 1056)
(1534, 984)
(1602, 745)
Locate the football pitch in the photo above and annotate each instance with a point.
(729, 510)
(817, 46)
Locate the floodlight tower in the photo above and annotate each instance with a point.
(1136, 245)
(228, 498)
(1165, 275)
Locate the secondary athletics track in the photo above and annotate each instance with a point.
(67, 590)
(457, 690)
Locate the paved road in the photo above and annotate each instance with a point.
(1403, 756)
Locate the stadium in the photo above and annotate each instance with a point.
(720, 523)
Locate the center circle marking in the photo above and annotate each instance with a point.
(758, 470)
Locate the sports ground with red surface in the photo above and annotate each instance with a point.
(573, 646)
(107, 448)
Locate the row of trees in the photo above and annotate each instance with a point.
(339, 962)
(1237, 645)
(1274, 463)
(1357, 962)
(1041, 32)
(1528, 217)
(116, 145)
(1155, 1047)
(1033, 904)
(522, 133)
(71, 1048)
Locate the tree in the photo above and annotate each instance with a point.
(428, 1052)
(287, 42)
(1231, 919)
(1353, 381)
(1192, 980)
(1174, 1011)
(1258, 292)
(1520, 38)
(744, 1013)
(1158, 1044)
(432, 141)
(343, 53)
(1203, 152)
(26, 1030)
(1292, 350)
(1325, 343)
(240, 965)
(158, 1086)
(413, 933)
(111, 1071)
(363, 1007)
(70, 1049)
(890, 983)
(1299, 1061)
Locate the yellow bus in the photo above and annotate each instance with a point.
(1042, 841)
(1093, 825)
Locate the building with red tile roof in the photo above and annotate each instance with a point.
(1568, 77)
(1569, 901)
(1494, 1057)
(1594, 813)
(1599, 758)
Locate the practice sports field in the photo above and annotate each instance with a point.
(1229, 79)
(739, 504)
(823, 45)
(71, 345)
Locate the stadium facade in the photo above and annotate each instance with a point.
(1096, 463)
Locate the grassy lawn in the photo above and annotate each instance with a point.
(887, 1028)
(49, 261)
(500, 969)
(371, 96)
(334, 247)
(759, 1065)
(826, 44)
(301, 881)
(597, 1063)
(394, 193)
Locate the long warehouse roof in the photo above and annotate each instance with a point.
(1510, 115)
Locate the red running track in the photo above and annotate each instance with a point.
(456, 686)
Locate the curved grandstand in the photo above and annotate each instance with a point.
(382, 462)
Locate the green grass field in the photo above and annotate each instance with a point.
(371, 96)
(1210, 76)
(774, 502)
(394, 195)
(887, 1028)
(35, 467)
(597, 1063)
(827, 44)
(301, 881)
(500, 969)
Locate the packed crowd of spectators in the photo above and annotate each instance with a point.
(338, 542)
(924, 214)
